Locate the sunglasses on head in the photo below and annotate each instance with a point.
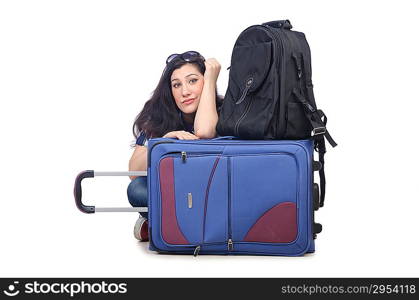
(186, 56)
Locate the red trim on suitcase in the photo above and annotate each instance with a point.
(171, 232)
(277, 225)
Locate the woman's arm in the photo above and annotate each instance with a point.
(138, 161)
(206, 116)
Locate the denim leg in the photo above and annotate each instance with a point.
(137, 193)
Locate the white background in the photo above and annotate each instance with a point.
(74, 74)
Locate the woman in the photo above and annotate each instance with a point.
(185, 106)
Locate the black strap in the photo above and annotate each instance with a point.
(320, 147)
(316, 117)
(322, 117)
(318, 121)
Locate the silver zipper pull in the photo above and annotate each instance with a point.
(230, 245)
(248, 85)
(183, 154)
(196, 251)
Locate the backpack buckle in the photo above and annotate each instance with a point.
(318, 131)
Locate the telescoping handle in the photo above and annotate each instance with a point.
(92, 209)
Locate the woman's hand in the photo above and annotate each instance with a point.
(181, 135)
(212, 69)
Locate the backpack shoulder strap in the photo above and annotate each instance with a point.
(320, 147)
(318, 121)
(316, 117)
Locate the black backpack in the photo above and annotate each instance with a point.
(270, 93)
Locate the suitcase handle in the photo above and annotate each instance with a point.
(285, 24)
(92, 209)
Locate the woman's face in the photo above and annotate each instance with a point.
(187, 83)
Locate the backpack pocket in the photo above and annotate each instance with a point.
(249, 66)
(250, 95)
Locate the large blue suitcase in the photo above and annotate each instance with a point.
(226, 196)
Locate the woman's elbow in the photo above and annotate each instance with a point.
(205, 134)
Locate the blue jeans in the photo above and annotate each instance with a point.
(137, 194)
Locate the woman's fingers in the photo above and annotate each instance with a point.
(212, 62)
(184, 135)
(190, 136)
(212, 65)
(212, 69)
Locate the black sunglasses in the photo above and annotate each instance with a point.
(186, 56)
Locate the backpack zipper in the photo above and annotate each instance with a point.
(249, 83)
(279, 39)
(236, 128)
(246, 89)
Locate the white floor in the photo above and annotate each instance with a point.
(360, 238)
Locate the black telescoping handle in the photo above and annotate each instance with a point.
(77, 191)
(285, 24)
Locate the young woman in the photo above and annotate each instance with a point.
(184, 105)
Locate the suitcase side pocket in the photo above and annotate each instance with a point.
(266, 212)
(188, 199)
(170, 229)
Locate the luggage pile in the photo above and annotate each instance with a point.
(250, 191)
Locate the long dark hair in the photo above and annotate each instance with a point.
(160, 113)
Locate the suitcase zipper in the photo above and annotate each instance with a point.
(197, 248)
(196, 251)
(214, 167)
(230, 240)
(230, 245)
(184, 155)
